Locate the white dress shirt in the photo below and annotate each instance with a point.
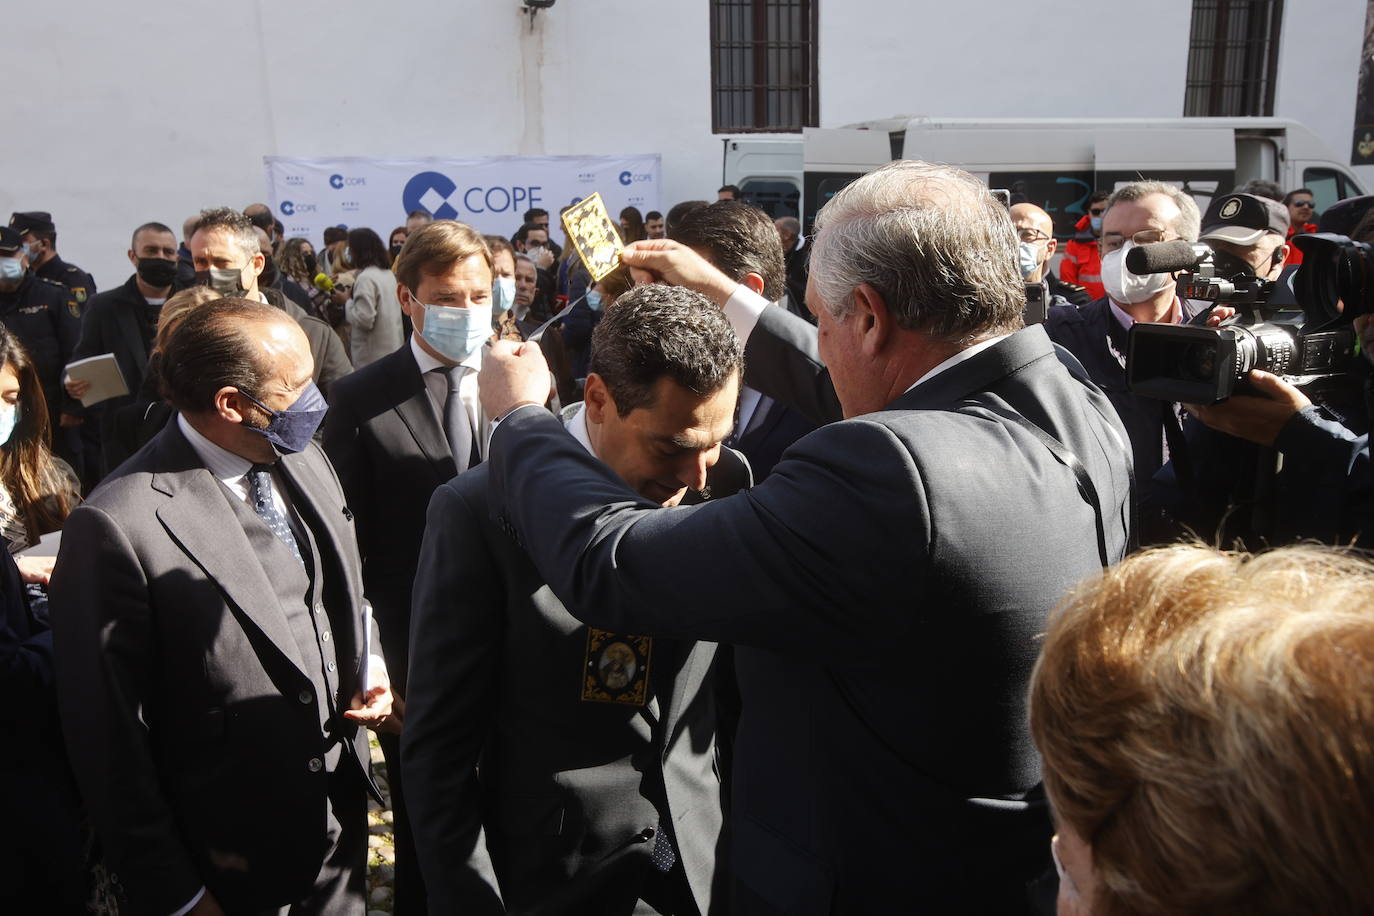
(437, 386)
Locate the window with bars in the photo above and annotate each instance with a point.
(1233, 55)
(763, 65)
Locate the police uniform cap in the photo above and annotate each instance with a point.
(11, 240)
(1243, 219)
(32, 221)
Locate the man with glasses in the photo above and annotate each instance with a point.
(1082, 263)
(1036, 246)
(1302, 217)
(1136, 214)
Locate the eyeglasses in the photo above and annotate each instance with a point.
(1031, 235)
(1113, 241)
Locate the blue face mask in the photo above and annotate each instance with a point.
(11, 269)
(9, 419)
(453, 332)
(290, 430)
(594, 300)
(502, 294)
(1096, 222)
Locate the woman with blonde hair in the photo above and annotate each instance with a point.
(1206, 721)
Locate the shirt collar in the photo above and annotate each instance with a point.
(966, 353)
(575, 422)
(219, 461)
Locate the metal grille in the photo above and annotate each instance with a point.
(1233, 56)
(763, 65)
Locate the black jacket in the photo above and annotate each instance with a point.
(69, 275)
(46, 318)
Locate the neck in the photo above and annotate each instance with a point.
(1156, 308)
(232, 437)
(151, 292)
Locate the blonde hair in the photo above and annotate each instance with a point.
(1207, 726)
(176, 307)
(435, 247)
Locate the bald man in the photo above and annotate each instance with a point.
(1035, 232)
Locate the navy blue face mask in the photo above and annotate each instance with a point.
(291, 429)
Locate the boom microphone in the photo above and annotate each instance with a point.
(1166, 257)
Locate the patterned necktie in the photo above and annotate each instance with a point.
(457, 426)
(260, 495)
(664, 855)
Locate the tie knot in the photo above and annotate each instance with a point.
(454, 374)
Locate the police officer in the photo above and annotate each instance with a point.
(40, 241)
(46, 318)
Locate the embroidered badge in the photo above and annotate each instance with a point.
(616, 668)
(80, 293)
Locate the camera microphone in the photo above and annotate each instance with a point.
(1166, 257)
(323, 282)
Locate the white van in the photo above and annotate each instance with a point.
(1054, 163)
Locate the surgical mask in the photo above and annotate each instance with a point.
(9, 419)
(11, 269)
(291, 430)
(534, 252)
(1028, 259)
(1125, 287)
(502, 293)
(157, 272)
(594, 300)
(347, 257)
(1096, 223)
(227, 281)
(32, 250)
(456, 333)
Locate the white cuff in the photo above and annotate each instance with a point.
(191, 904)
(743, 309)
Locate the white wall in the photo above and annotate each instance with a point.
(123, 113)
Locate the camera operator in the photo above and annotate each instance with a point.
(1248, 235)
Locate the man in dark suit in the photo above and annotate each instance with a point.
(207, 610)
(397, 429)
(885, 585)
(597, 782)
(741, 242)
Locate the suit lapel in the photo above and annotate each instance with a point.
(416, 411)
(199, 517)
(333, 536)
(686, 685)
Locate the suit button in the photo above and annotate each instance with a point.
(306, 697)
(315, 765)
(325, 636)
(331, 666)
(319, 608)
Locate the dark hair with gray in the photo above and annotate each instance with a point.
(1260, 187)
(231, 221)
(738, 239)
(655, 331)
(1189, 221)
(215, 350)
(678, 211)
(932, 241)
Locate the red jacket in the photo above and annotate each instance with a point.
(1294, 255)
(1082, 262)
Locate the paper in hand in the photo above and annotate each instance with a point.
(103, 373)
(593, 233)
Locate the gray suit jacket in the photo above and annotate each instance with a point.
(527, 791)
(187, 701)
(885, 585)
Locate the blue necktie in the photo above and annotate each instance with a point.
(260, 495)
(664, 855)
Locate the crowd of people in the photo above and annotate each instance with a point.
(772, 572)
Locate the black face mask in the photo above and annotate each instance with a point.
(157, 272)
(396, 251)
(311, 266)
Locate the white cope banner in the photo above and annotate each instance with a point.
(491, 194)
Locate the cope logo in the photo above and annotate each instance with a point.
(629, 178)
(338, 182)
(291, 209)
(429, 191)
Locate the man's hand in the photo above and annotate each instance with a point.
(35, 570)
(1257, 420)
(375, 709)
(338, 295)
(68, 419)
(665, 261)
(543, 259)
(512, 374)
(77, 388)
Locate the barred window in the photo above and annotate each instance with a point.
(763, 65)
(1233, 55)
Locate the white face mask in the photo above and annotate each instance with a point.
(1126, 288)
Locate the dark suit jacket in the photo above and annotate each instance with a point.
(386, 442)
(110, 324)
(496, 666)
(186, 701)
(885, 587)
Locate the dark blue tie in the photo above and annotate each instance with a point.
(260, 495)
(664, 855)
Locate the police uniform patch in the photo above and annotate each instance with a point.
(1230, 208)
(616, 668)
(74, 306)
(80, 293)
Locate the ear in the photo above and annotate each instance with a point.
(876, 325)
(754, 282)
(230, 404)
(1050, 248)
(133, 259)
(259, 262)
(403, 294)
(597, 398)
